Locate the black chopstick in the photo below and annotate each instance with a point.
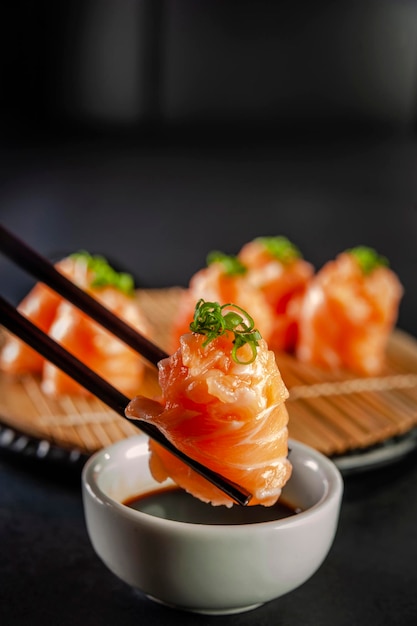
(31, 261)
(42, 269)
(23, 328)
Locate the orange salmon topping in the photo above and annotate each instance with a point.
(229, 416)
(347, 315)
(75, 331)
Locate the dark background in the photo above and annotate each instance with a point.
(154, 131)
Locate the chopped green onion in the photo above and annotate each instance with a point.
(231, 264)
(104, 275)
(368, 259)
(210, 320)
(281, 248)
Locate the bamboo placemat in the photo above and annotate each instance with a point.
(336, 414)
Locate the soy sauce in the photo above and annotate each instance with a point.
(175, 504)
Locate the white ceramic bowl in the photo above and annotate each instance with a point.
(222, 565)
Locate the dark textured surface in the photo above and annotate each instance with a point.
(50, 574)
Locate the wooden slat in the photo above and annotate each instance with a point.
(334, 413)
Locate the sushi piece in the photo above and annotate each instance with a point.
(109, 357)
(276, 267)
(223, 280)
(348, 313)
(223, 404)
(40, 305)
(87, 340)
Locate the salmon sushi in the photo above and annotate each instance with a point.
(99, 349)
(223, 404)
(348, 313)
(40, 305)
(87, 340)
(276, 267)
(223, 280)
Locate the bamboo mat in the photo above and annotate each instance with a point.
(336, 414)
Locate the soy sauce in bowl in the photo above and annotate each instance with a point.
(175, 504)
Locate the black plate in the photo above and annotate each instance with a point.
(17, 443)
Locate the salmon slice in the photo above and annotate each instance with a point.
(348, 313)
(230, 416)
(99, 349)
(277, 269)
(93, 345)
(40, 306)
(224, 281)
(16, 357)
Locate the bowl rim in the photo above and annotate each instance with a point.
(333, 491)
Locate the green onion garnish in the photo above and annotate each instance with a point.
(281, 248)
(104, 275)
(210, 320)
(368, 259)
(231, 264)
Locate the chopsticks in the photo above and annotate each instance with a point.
(23, 328)
(32, 262)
